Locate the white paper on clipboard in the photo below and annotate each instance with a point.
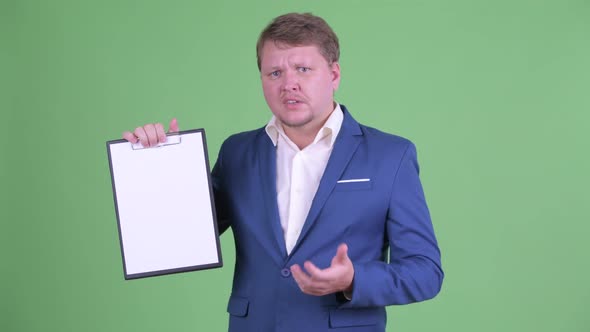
(164, 205)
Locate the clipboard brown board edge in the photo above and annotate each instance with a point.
(213, 210)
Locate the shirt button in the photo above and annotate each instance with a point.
(285, 273)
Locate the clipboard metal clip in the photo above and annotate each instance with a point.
(171, 139)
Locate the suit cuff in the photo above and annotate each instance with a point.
(347, 295)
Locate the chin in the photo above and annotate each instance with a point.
(295, 122)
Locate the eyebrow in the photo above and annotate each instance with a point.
(269, 69)
(296, 64)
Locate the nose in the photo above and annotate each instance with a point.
(290, 83)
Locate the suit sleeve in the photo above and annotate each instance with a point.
(219, 194)
(414, 270)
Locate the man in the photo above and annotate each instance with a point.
(315, 200)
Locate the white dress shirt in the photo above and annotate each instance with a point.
(299, 172)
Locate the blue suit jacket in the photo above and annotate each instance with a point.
(386, 214)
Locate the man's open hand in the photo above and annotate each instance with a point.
(336, 278)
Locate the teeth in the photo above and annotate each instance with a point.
(291, 101)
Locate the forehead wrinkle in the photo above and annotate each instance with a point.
(282, 58)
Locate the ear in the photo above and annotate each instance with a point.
(335, 69)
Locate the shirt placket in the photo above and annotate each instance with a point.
(297, 211)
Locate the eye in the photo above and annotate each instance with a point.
(274, 74)
(303, 69)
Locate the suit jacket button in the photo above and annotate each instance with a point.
(285, 273)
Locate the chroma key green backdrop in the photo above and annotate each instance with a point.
(495, 94)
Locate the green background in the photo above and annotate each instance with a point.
(493, 93)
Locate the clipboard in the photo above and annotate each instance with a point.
(164, 205)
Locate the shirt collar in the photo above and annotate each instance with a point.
(274, 128)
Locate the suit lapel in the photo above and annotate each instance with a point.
(268, 176)
(346, 143)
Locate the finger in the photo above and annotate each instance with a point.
(320, 281)
(341, 254)
(160, 132)
(305, 282)
(298, 272)
(141, 135)
(152, 137)
(315, 272)
(299, 276)
(130, 137)
(173, 126)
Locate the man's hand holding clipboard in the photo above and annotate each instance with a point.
(164, 201)
(150, 134)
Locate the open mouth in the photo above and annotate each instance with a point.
(292, 101)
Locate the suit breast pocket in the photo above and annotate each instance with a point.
(348, 185)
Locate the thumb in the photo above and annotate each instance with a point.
(341, 254)
(173, 126)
